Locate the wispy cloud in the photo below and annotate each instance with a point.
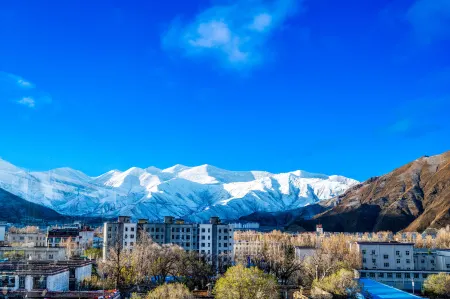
(430, 20)
(27, 101)
(235, 34)
(16, 89)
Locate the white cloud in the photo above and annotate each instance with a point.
(235, 34)
(27, 101)
(15, 89)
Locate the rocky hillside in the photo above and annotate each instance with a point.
(15, 209)
(412, 198)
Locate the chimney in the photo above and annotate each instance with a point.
(214, 220)
(124, 219)
(168, 219)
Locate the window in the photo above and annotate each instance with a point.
(364, 260)
(386, 265)
(397, 253)
(225, 230)
(21, 282)
(125, 243)
(381, 275)
(407, 275)
(220, 230)
(363, 274)
(373, 252)
(132, 236)
(157, 229)
(416, 275)
(132, 229)
(422, 261)
(225, 238)
(386, 256)
(389, 275)
(126, 236)
(50, 256)
(188, 230)
(432, 261)
(131, 243)
(109, 228)
(408, 261)
(203, 237)
(398, 275)
(153, 229)
(203, 230)
(374, 261)
(424, 275)
(209, 230)
(407, 252)
(372, 275)
(398, 261)
(220, 244)
(448, 266)
(126, 229)
(364, 251)
(203, 244)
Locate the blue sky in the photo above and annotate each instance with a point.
(339, 87)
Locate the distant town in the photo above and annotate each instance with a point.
(128, 258)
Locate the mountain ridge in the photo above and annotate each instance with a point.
(195, 193)
(413, 197)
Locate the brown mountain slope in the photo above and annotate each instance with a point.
(413, 198)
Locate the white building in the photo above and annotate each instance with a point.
(55, 276)
(400, 264)
(2, 232)
(213, 239)
(31, 239)
(33, 253)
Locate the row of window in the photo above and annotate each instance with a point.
(374, 261)
(386, 256)
(391, 275)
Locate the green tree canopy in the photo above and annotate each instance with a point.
(243, 283)
(170, 291)
(437, 286)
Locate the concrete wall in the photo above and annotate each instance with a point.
(28, 283)
(58, 282)
(83, 273)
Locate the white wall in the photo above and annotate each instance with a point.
(83, 273)
(2, 232)
(28, 283)
(58, 282)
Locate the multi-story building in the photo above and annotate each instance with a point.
(121, 234)
(33, 253)
(2, 231)
(213, 239)
(386, 255)
(74, 239)
(30, 239)
(19, 277)
(400, 264)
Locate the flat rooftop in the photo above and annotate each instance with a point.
(382, 291)
(383, 243)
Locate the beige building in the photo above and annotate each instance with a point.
(36, 239)
(33, 253)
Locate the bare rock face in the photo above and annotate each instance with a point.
(411, 198)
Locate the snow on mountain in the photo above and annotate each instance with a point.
(195, 193)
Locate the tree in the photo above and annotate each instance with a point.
(340, 284)
(118, 268)
(437, 286)
(93, 253)
(170, 291)
(242, 283)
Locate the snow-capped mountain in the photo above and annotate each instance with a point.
(195, 193)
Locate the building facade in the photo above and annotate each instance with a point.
(212, 240)
(34, 239)
(400, 264)
(33, 253)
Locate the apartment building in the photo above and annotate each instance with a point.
(27, 239)
(213, 239)
(400, 264)
(33, 253)
(50, 276)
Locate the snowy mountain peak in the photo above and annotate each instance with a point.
(176, 168)
(195, 193)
